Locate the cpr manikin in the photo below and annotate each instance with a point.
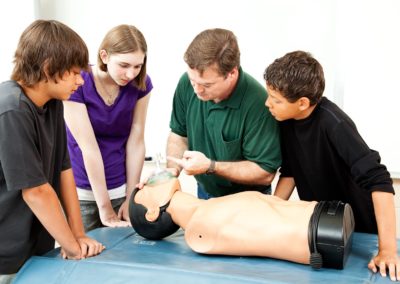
(248, 223)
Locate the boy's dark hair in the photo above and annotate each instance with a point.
(48, 47)
(125, 39)
(297, 74)
(214, 46)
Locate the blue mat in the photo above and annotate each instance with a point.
(131, 259)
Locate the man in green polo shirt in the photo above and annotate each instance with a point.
(220, 130)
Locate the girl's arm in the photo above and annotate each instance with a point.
(135, 152)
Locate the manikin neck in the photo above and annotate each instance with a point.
(182, 207)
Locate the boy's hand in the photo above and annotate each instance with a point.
(89, 246)
(386, 261)
(65, 254)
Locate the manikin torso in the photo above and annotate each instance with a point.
(243, 224)
(253, 224)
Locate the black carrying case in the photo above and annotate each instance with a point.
(334, 232)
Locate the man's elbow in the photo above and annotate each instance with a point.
(268, 178)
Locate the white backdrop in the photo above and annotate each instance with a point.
(354, 42)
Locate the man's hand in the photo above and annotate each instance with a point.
(174, 171)
(386, 261)
(192, 162)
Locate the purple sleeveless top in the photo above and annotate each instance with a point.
(111, 125)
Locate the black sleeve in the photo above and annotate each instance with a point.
(66, 162)
(19, 155)
(364, 163)
(285, 170)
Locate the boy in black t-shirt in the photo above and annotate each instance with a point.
(38, 200)
(324, 156)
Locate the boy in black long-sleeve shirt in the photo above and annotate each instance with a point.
(324, 156)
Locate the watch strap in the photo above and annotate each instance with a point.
(211, 168)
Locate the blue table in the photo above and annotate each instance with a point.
(131, 259)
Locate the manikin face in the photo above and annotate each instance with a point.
(157, 195)
(281, 108)
(67, 84)
(123, 67)
(211, 85)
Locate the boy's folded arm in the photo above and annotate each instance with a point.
(70, 203)
(44, 203)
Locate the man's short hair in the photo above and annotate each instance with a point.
(213, 46)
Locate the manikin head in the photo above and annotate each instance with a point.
(148, 207)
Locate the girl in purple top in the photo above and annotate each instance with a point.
(105, 121)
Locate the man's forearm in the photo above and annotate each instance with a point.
(176, 146)
(244, 172)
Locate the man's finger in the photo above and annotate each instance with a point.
(180, 162)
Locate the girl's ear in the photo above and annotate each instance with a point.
(104, 56)
(304, 103)
(152, 214)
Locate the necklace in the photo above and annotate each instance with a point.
(110, 98)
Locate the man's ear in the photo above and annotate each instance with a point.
(304, 103)
(233, 73)
(152, 214)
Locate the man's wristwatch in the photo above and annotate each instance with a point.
(211, 168)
